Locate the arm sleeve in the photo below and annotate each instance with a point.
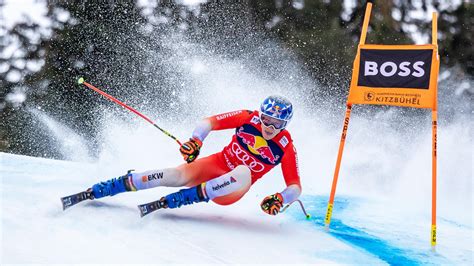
(289, 166)
(291, 193)
(202, 129)
(221, 121)
(230, 119)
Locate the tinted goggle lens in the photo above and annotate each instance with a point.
(270, 121)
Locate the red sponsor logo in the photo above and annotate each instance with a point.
(247, 138)
(267, 153)
(258, 146)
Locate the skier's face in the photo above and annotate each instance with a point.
(271, 121)
(271, 126)
(269, 132)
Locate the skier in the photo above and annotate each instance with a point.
(260, 143)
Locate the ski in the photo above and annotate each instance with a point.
(150, 207)
(74, 199)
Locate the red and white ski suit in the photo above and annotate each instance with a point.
(249, 148)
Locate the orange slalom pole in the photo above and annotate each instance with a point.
(434, 29)
(434, 116)
(327, 220)
(110, 97)
(365, 24)
(434, 173)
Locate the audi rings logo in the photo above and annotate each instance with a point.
(246, 159)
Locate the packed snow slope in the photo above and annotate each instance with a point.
(36, 230)
(365, 230)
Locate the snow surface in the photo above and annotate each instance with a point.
(35, 229)
(363, 230)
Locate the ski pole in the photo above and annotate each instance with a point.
(81, 81)
(302, 208)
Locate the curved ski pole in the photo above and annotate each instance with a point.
(110, 97)
(302, 208)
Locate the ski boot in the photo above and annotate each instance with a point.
(185, 197)
(174, 200)
(112, 187)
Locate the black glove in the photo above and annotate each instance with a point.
(272, 204)
(190, 149)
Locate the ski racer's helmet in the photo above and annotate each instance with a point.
(276, 111)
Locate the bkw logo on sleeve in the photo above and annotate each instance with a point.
(395, 68)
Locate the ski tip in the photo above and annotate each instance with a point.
(80, 80)
(64, 205)
(141, 211)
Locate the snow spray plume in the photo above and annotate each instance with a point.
(81, 81)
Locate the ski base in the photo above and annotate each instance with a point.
(148, 208)
(74, 199)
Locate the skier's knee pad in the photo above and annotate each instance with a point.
(230, 187)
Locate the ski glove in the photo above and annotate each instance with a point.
(272, 204)
(190, 149)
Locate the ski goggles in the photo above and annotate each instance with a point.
(271, 121)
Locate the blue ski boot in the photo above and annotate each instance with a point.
(185, 197)
(112, 187)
